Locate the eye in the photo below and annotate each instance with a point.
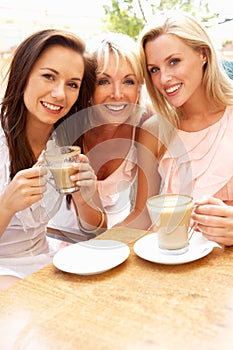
(174, 61)
(129, 82)
(48, 76)
(153, 70)
(102, 81)
(73, 85)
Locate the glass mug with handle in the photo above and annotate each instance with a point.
(171, 216)
(59, 161)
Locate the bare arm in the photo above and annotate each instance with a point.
(87, 202)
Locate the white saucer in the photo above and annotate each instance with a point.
(91, 257)
(147, 248)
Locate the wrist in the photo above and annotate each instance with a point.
(93, 228)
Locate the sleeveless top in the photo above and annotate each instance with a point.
(201, 163)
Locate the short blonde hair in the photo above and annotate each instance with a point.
(122, 46)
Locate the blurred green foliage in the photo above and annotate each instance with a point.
(128, 16)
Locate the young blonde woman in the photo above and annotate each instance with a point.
(191, 138)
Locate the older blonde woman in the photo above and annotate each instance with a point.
(109, 132)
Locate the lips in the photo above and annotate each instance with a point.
(115, 108)
(173, 89)
(51, 107)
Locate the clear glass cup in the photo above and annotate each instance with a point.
(59, 161)
(170, 215)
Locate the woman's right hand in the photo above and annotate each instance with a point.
(27, 187)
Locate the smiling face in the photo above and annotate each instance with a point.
(53, 86)
(175, 68)
(117, 88)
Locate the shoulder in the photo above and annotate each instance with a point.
(228, 116)
(151, 125)
(229, 109)
(148, 135)
(158, 126)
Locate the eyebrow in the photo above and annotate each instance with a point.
(57, 73)
(103, 73)
(172, 55)
(107, 75)
(166, 59)
(129, 75)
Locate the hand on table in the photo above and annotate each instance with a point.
(215, 220)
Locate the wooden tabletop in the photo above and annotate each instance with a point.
(135, 306)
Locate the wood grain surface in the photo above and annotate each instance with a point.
(137, 305)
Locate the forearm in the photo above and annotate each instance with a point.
(91, 215)
(138, 219)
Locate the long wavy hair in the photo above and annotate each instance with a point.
(218, 85)
(13, 110)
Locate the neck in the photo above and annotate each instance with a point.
(200, 118)
(38, 139)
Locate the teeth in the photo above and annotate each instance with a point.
(173, 88)
(52, 107)
(115, 108)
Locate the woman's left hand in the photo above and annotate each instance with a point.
(215, 220)
(85, 178)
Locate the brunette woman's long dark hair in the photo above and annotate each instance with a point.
(13, 110)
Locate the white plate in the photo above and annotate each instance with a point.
(91, 257)
(147, 248)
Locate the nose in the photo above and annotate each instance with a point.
(165, 76)
(58, 91)
(117, 91)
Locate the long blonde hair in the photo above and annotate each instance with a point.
(218, 86)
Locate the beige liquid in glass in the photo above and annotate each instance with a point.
(171, 215)
(60, 162)
(62, 178)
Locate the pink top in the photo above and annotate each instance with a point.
(201, 163)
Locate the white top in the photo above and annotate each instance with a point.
(23, 246)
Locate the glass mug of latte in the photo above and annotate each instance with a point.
(170, 215)
(60, 161)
